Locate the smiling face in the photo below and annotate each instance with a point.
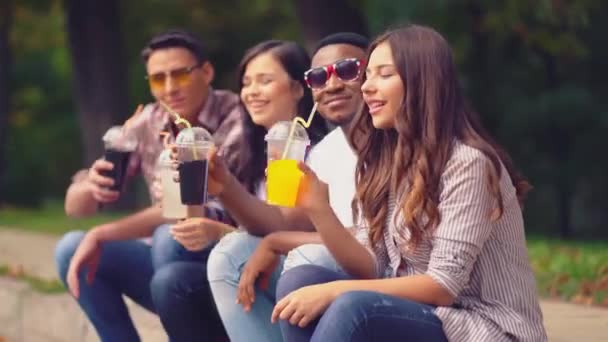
(383, 89)
(338, 100)
(269, 94)
(185, 92)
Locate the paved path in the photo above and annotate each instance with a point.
(564, 322)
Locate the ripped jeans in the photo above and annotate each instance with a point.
(359, 315)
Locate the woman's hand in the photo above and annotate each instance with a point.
(313, 194)
(306, 304)
(260, 267)
(196, 233)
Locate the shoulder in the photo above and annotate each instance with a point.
(465, 158)
(227, 101)
(334, 140)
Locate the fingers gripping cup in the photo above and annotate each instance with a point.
(119, 143)
(173, 208)
(193, 145)
(282, 174)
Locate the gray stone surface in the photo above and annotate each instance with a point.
(28, 316)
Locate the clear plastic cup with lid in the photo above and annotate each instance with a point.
(283, 154)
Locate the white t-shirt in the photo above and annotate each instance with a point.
(334, 162)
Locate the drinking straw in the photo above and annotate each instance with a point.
(295, 121)
(179, 120)
(166, 137)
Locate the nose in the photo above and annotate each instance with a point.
(334, 83)
(170, 85)
(368, 87)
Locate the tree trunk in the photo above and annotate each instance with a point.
(319, 18)
(6, 13)
(100, 86)
(100, 74)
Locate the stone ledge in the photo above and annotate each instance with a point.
(29, 316)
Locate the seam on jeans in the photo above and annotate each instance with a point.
(358, 323)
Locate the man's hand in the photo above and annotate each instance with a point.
(87, 254)
(260, 267)
(98, 184)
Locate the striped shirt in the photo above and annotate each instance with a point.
(483, 264)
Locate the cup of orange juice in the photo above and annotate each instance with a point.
(282, 174)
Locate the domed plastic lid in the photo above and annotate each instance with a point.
(117, 137)
(280, 131)
(194, 136)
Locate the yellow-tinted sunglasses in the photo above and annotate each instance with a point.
(180, 76)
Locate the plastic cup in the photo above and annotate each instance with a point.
(283, 175)
(173, 209)
(193, 144)
(118, 144)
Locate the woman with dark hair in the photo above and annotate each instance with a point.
(272, 89)
(439, 252)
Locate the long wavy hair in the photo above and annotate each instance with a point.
(295, 61)
(414, 154)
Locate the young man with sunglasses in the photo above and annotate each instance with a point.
(111, 260)
(243, 269)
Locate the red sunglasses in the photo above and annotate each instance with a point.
(346, 70)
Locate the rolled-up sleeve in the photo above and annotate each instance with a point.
(465, 206)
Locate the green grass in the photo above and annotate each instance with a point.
(50, 219)
(571, 270)
(37, 284)
(564, 269)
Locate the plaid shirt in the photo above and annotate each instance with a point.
(221, 116)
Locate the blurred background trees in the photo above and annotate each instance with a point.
(535, 71)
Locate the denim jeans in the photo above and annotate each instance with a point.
(163, 278)
(359, 315)
(226, 262)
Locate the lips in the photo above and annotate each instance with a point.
(257, 104)
(375, 105)
(336, 100)
(175, 102)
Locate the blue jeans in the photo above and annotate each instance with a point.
(224, 268)
(359, 315)
(163, 278)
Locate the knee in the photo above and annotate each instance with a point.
(354, 303)
(296, 278)
(229, 256)
(310, 254)
(65, 249)
(164, 248)
(164, 285)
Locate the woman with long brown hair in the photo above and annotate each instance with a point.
(439, 218)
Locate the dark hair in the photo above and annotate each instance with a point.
(349, 38)
(175, 38)
(294, 59)
(414, 154)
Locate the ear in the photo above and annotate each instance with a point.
(208, 72)
(297, 90)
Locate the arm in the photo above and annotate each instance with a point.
(283, 242)
(89, 188)
(353, 255)
(138, 225)
(258, 217)
(79, 201)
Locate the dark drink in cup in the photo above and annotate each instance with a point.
(120, 160)
(119, 144)
(193, 182)
(193, 145)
